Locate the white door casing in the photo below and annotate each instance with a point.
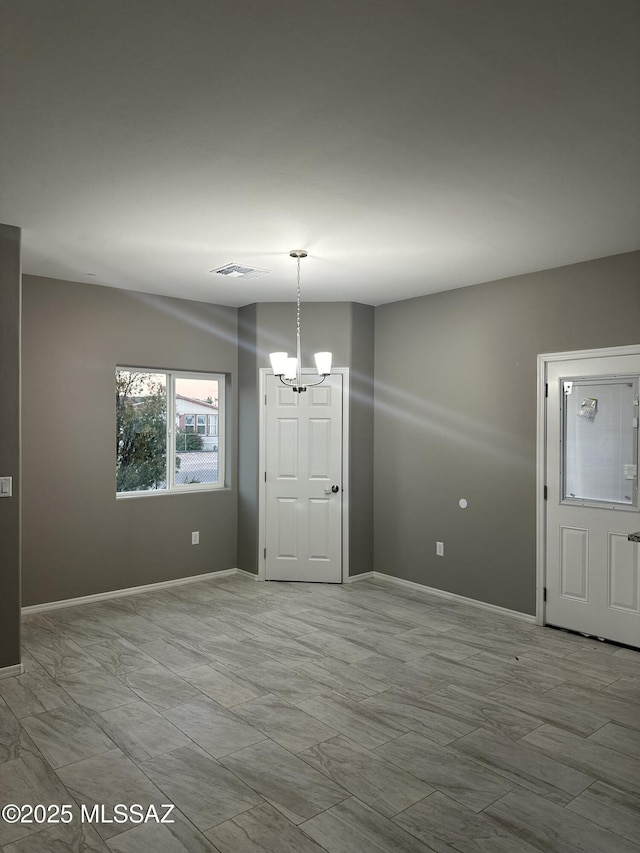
(591, 570)
(303, 493)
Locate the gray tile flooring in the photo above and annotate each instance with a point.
(302, 718)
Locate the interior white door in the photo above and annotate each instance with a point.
(592, 568)
(303, 491)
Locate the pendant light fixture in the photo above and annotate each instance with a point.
(289, 370)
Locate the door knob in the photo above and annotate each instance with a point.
(333, 489)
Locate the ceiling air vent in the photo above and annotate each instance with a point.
(240, 271)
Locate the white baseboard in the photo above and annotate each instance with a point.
(246, 574)
(363, 576)
(132, 590)
(225, 573)
(461, 599)
(9, 671)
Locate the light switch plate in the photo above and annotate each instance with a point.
(6, 487)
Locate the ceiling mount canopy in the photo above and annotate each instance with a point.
(289, 370)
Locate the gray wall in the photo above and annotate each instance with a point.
(10, 299)
(325, 326)
(77, 538)
(361, 447)
(247, 440)
(346, 329)
(455, 416)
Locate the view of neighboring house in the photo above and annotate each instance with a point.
(199, 417)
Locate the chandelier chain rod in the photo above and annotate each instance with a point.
(280, 361)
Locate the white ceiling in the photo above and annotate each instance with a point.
(410, 146)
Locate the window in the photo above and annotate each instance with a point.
(600, 447)
(162, 440)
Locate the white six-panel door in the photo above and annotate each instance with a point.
(303, 489)
(592, 569)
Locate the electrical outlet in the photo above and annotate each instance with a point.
(440, 549)
(195, 537)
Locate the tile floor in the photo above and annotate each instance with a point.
(299, 718)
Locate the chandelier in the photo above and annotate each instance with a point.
(289, 370)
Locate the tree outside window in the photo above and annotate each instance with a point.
(141, 431)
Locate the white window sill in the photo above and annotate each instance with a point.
(165, 492)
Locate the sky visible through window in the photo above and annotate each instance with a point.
(198, 389)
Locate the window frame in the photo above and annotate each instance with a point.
(173, 488)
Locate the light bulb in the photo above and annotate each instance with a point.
(291, 368)
(323, 363)
(278, 362)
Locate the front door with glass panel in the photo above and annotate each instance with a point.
(592, 568)
(303, 491)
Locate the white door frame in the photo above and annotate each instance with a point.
(262, 535)
(541, 456)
